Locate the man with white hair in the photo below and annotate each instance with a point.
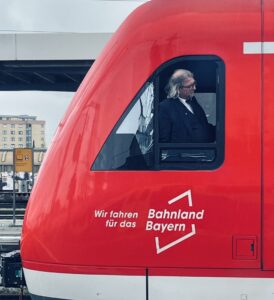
(181, 117)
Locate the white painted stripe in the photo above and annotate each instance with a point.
(85, 287)
(210, 288)
(111, 287)
(258, 48)
(252, 48)
(268, 47)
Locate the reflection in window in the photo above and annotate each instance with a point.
(187, 155)
(144, 133)
(130, 147)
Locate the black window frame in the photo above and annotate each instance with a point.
(218, 145)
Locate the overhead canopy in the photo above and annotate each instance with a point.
(50, 45)
(51, 75)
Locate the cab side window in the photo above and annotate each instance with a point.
(193, 132)
(159, 131)
(130, 145)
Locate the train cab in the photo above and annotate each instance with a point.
(117, 212)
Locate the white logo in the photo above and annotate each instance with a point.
(179, 215)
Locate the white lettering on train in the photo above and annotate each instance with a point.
(163, 227)
(123, 214)
(175, 215)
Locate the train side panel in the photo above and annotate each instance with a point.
(73, 197)
(268, 129)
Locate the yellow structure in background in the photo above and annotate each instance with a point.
(23, 159)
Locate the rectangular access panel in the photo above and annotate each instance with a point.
(244, 247)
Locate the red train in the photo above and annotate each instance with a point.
(117, 213)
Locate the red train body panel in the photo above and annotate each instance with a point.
(118, 222)
(268, 129)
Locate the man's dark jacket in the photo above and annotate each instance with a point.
(178, 125)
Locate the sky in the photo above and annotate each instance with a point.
(49, 16)
(64, 15)
(47, 106)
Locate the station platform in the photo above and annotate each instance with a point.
(10, 235)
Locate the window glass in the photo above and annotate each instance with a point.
(193, 131)
(187, 155)
(130, 146)
(191, 114)
(208, 102)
